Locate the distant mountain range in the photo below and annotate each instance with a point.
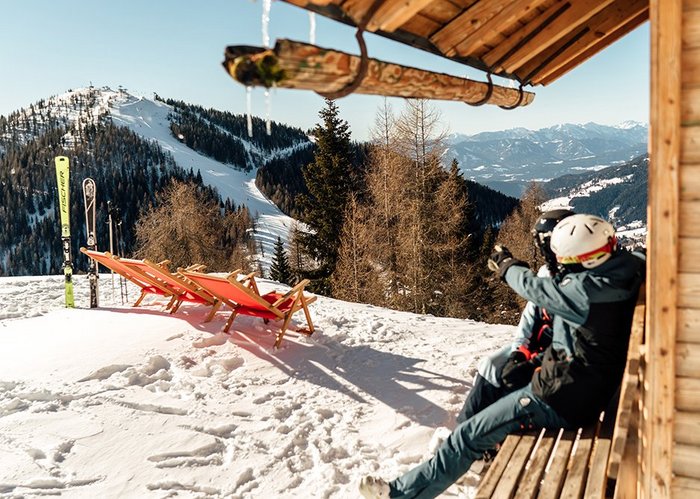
(508, 160)
(617, 193)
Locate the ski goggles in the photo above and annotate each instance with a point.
(608, 248)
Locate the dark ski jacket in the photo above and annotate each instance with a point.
(592, 309)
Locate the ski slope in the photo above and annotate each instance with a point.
(149, 119)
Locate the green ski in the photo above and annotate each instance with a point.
(62, 176)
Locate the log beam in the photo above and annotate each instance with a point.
(302, 66)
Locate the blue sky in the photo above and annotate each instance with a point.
(175, 49)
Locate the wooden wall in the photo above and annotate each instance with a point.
(670, 457)
(686, 428)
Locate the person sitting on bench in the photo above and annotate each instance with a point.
(512, 366)
(580, 371)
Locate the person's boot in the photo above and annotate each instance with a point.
(374, 488)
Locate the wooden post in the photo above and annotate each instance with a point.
(662, 244)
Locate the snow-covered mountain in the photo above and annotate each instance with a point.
(506, 160)
(617, 193)
(151, 119)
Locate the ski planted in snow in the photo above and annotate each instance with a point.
(89, 199)
(62, 176)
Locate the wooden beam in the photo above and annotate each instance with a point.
(600, 45)
(394, 13)
(690, 182)
(688, 394)
(601, 25)
(688, 290)
(689, 216)
(689, 253)
(568, 21)
(459, 28)
(503, 49)
(688, 360)
(690, 137)
(685, 461)
(687, 428)
(686, 487)
(662, 247)
(504, 16)
(689, 325)
(302, 66)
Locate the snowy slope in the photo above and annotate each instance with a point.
(137, 403)
(150, 120)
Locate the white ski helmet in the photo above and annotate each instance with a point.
(583, 239)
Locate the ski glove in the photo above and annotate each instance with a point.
(518, 371)
(501, 260)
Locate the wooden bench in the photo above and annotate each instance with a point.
(587, 462)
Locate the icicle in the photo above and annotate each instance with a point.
(249, 107)
(312, 28)
(268, 111)
(267, 4)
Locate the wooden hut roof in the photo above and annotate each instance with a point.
(532, 41)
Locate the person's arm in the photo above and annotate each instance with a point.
(567, 298)
(525, 326)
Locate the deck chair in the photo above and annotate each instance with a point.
(147, 285)
(182, 290)
(245, 299)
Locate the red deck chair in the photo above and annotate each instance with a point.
(244, 298)
(183, 290)
(147, 285)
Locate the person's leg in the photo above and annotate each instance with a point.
(516, 411)
(482, 395)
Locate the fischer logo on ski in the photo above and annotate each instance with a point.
(63, 179)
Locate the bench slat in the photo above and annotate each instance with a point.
(535, 469)
(557, 465)
(516, 464)
(578, 469)
(493, 475)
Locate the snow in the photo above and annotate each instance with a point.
(135, 402)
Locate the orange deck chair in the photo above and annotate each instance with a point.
(245, 299)
(147, 285)
(182, 290)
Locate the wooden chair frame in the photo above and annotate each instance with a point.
(244, 299)
(146, 284)
(181, 289)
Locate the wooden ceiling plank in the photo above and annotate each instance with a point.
(459, 28)
(502, 50)
(602, 25)
(568, 21)
(394, 13)
(581, 58)
(442, 11)
(421, 26)
(538, 64)
(504, 17)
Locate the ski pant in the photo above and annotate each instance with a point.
(516, 411)
(482, 395)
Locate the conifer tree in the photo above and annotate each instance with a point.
(280, 270)
(329, 180)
